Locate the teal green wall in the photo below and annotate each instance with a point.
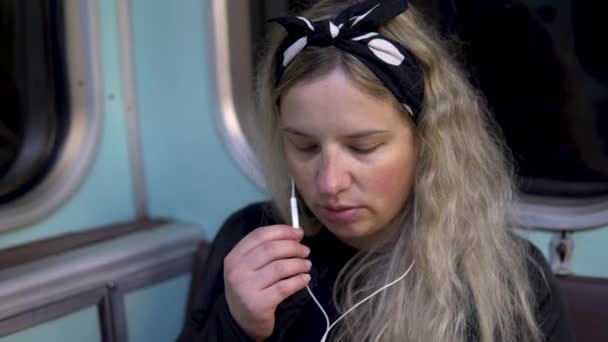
(590, 257)
(190, 175)
(81, 326)
(156, 314)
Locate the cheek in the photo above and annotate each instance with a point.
(294, 166)
(391, 183)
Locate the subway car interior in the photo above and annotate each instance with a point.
(122, 150)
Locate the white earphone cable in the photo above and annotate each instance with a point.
(296, 224)
(361, 302)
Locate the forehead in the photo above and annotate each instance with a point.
(333, 104)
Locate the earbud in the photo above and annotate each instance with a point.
(295, 221)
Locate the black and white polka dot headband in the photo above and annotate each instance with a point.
(353, 31)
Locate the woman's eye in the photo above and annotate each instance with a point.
(363, 149)
(307, 148)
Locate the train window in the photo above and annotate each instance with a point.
(50, 118)
(34, 93)
(549, 93)
(541, 68)
(539, 65)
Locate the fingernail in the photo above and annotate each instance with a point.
(306, 277)
(308, 263)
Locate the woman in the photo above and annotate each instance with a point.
(401, 181)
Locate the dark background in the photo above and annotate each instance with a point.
(544, 72)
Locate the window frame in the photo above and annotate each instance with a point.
(83, 135)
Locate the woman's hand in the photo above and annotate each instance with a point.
(261, 271)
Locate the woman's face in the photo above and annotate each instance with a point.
(352, 156)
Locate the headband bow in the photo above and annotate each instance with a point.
(353, 31)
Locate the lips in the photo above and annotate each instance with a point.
(337, 207)
(340, 214)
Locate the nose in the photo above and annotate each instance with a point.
(333, 175)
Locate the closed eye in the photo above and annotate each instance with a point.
(307, 148)
(364, 149)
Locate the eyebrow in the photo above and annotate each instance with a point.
(356, 135)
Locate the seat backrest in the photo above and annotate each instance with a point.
(586, 300)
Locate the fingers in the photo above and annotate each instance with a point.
(274, 272)
(279, 291)
(263, 234)
(261, 271)
(274, 250)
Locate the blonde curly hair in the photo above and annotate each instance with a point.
(470, 274)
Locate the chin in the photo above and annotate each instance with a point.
(349, 231)
(361, 235)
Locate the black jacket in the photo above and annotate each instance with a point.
(298, 318)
